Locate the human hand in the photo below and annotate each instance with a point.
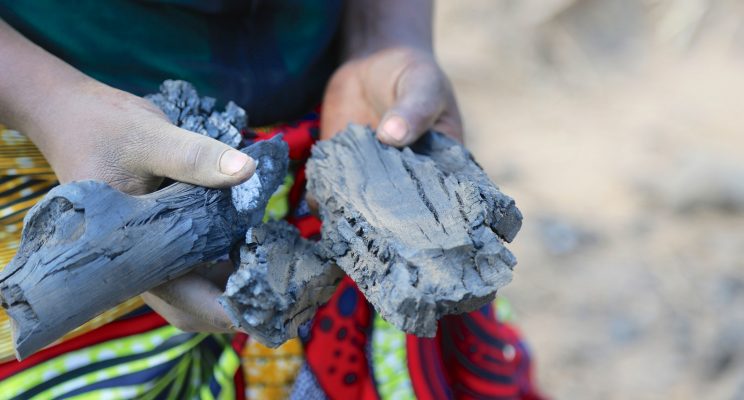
(400, 91)
(113, 136)
(87, 130)
(97, 132)
(190, 302)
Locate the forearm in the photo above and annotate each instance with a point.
(32, 80)
(371, 25)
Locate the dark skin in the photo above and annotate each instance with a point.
(389, 79)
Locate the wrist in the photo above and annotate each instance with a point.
(379, 45)
(56, 109)
(370, 26)
(29, 77)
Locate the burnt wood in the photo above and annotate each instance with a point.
(280, 281)
(419, 229)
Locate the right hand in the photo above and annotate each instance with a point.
(87, 130)
(102, 133)
(98, 132)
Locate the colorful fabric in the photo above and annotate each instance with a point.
(389, 364)
(346, 350)
(139, 356)
(272, 57)
(270, 373)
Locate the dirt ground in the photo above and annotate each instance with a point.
(618, 127)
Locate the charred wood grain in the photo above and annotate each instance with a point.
(279, 282)
(420, 230)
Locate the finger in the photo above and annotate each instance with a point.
(338, 111)
(189, 157)
(191, 303)
(421, 96)
(450, 121)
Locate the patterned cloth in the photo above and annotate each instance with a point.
(135, 357)
(345, 352)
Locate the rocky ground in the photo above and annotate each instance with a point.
(618, 126)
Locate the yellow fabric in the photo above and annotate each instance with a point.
(270, 373)
(25, 178)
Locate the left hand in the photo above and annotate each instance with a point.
(400, 91)
(190, 302)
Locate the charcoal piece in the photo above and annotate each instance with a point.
(419, 230)
(182, 105)
(251, 197)
(280, 281)
(451, 158)
(87, 247)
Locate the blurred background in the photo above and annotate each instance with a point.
(618, 127)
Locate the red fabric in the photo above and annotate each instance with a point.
(297, 192)
(299, 135)
(485, 358)
(428, 376)
(238, 343)
(338, 339)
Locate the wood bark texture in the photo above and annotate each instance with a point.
(420, 230)
(280, 281)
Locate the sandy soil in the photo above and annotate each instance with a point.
(618, 126)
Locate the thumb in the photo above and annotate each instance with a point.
(420, 99)
(189, 157)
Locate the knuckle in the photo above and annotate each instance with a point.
(192, 154)
(127, 182)
(135, 151)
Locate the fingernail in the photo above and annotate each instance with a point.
(395, 128)
(233, 161)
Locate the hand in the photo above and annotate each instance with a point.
(400, 91)
(96, 132)
(87, 130)
(190, 302)
(106, 134)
